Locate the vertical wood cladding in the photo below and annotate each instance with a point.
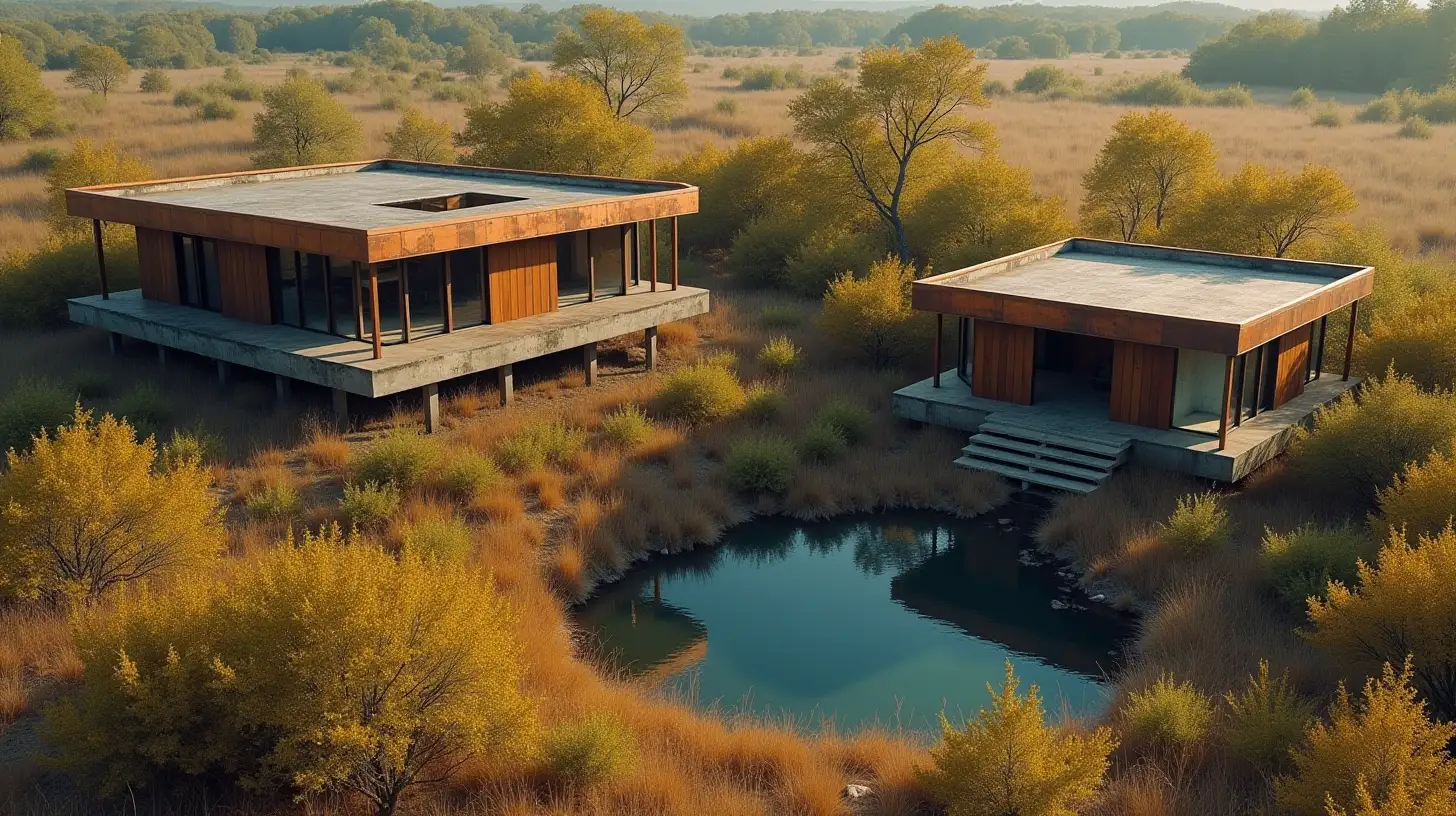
(158, 260)
(1292, 355)
(1142, 384)
(522, 278)
(1003, 361)
(242, 273)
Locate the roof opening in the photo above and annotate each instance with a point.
(458, 201)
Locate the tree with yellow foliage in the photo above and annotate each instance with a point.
(1379, 757)
(1152, 166)
(636, 67)
(1007, 760)
(99, 68)
(89, 508)
(326, 666)
(86, 164)
(872, 313)
(560, 125)
(418, 137)
(904, 101)
(301, 123)
(1403, 606)
(1264, 211)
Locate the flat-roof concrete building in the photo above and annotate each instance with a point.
(1075, 357)
(374, 278)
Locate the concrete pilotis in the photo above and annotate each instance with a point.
(113, 342)
(162, 356)
(649, 346)
(589, 362)
(431, 396)
(282, 386)
(341, 409)
(505, 380)
(222, 372)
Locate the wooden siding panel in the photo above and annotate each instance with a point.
(1142, 384)
(242, 272)
(157, 257)
(522, 279)
(1003, 361)
(1292, 366)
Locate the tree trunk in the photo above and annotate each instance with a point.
(902, 241)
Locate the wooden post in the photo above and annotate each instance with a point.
(1319, 361)
(374, 309)
(674, 253)
(649, 346)
(431, 396)
(446, 292)
(589, 362)
(652, 237)
(100, 258)
(1350, 339)
(358, 304)
(1223, 415)
(935, 358)
(505, 380)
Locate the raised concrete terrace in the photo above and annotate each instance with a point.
(348, 365)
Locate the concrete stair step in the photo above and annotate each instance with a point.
(1022, 475)
(1073, 442)
(1094, 475)
(1033, 449)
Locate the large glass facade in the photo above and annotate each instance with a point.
(573, 280)
(315, 284)
(345, 309)
(425, 280)
(198, 281)
(467, 294)
(608, 251)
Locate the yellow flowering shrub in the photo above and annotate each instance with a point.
(89, 508)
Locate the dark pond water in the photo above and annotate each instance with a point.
(886, 618)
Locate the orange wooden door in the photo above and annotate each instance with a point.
(1003, 361)
(1142, 384)
(1292, 363)
(522, 279)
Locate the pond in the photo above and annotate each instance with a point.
(881, 619)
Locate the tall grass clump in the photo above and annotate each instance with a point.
(779, 355)
(1300, 564)
(822, 442)
(1234, 96)
(466, 475)
(369, 504)
(590, 750)
(1163, 90)
(537, 445)
(403, 458)
(1266, 720)
(1302, 99)
(700, 393)
(1416, 127)
(1199, 525)
(760, 464)
(1329, 117)
(850, 420)
(445, 539)
(780, 316)
(1046, 78)
(29, 406)
(627, 427)
(145, 406)
(275, 501)
(764, 403)
(1168, 714)
(1384, 108)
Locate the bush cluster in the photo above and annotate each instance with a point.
(700, 393)
(539, 444)
(627, 427)
(760, 464)
(1198, 526)
(1300, 564)
(403, 458)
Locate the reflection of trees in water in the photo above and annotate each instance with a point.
(893, 547)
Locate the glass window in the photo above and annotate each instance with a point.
(426, 284)
(315, 292)
(283, 280)
(467, 301)
(607, 250)
(189, 282)
(211, 285)
(341, 297)
(390, 326)
(572, 282)
(634, 260)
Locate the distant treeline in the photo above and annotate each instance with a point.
(187, 35)
(1371, 45)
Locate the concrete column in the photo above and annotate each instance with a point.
(505, 380)
(649, 345)
(222, 372)
(341, 409)
(113, 342)
(162, 356)
(431, 396)
(589, 362)
(282, 386)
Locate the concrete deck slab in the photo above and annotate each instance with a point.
(1251, 445)
(348, 365)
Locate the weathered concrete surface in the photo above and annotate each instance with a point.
(348, 365)
(1250, 445)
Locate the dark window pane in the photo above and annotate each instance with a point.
(426, 296)
(606, 250)
(572, 283)
(341, 295)
(315, 293)
(466, 299)
(211, 284)
(390, 327)
(287, 288)
(190, 285)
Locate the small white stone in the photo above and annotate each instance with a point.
(1098, 598)
(1059, 604)
(1003, 521)
(853, 791)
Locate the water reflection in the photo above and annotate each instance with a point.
(886, 618)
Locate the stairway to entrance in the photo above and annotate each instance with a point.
(1044, 452)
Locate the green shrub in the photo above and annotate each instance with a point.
(732, 72)
(368, 504)
(780, 316)
(995, 87)
(872, 314)
(1112, 54)
(1164, 90)
(852, 421)
(762, 464)
(28, 407)
(1199, 525)
(846, 63)
(824, 255)
(276, 501)
(764, 403)
(779, 355)
(403, 458)
(1234, 96)
(442, 538)
(537, 445)
(1044, 78)
(700, 393)
(822, 442)
(1267, 720)
(40, 159)
(1330, 117)
(1301, 563)
(145, 406)
(1302, 99)
(189, 98)
(215, 109)
(627, 427)
(34, 287)
(1421, 500)
(1384, 108)
(467, 473)
(590, 750)
(726, 106)
(772, 78)
(155, 81)
(1168, 714)
(1358, 445)
(1416, 127)
(195, 445)
(725, 359)
(1437, 108)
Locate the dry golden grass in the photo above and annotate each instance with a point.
(326, 451)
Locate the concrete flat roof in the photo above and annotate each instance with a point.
(358, 196)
